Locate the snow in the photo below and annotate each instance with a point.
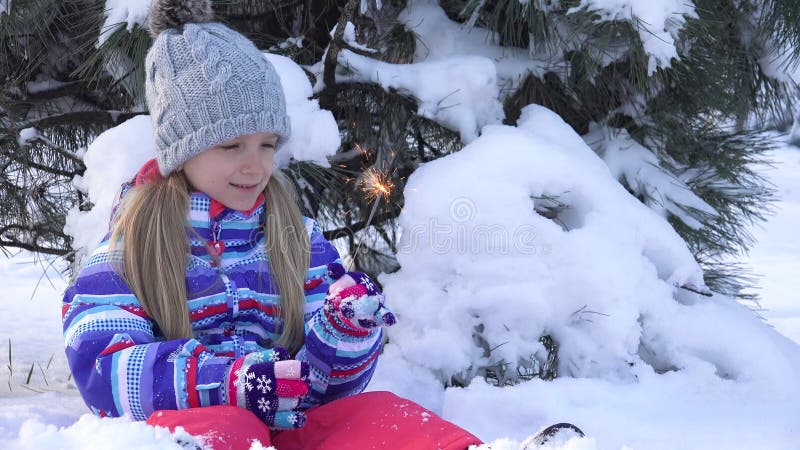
(35, 293)
(475, 255)
(289, 42)
(438, 37)
(778, 64)
(677, 410)
(122, 12)
(106, 433)
(458, 92)
(5, 6)
(778, 61)
(456, 89)
(349, 37)
(110, 160)
(315, 134)
(460, 74)
(775, 257)
(27, 135)
(658, 23)
(777, 58)
(365, 4)
(639, 167)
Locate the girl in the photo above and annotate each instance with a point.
(213, 304)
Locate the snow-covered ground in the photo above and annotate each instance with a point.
(776, 257)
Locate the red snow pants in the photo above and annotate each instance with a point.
(372, 420)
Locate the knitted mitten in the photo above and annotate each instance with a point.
(270, 386)
(356, 300)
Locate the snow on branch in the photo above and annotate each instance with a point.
(459, 92)
(658, 22)
(639, 167)
(439, 38)
(349, 37)
(120, 13)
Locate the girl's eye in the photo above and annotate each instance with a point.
(229, 146)
(267, 145)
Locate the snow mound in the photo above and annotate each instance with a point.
(315, 134)
(525, 232)
(106, 434)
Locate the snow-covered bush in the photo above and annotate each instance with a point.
(526, 232)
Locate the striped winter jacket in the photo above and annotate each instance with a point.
(122, 364)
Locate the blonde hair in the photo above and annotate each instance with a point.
(151, 227)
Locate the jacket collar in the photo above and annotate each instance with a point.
(217, 209)
(206, 210)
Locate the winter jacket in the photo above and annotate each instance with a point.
(122, 364)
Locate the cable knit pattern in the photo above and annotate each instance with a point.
(122, 364)
(205, 84)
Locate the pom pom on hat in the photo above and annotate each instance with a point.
(166, 14)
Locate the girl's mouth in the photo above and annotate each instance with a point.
(245, 187)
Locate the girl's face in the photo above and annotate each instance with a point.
(234, 172)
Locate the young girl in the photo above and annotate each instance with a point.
(213, 304)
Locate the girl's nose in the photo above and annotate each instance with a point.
(250, 162)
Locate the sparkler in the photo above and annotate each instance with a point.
(378, 186)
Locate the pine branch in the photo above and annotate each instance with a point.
(337, 43)
(32, 245)
(35, 248)
(26, 162)
(355, 227)
(109, 118)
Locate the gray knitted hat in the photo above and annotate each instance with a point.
(206, 83)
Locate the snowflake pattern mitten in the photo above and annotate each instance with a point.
(271, 387)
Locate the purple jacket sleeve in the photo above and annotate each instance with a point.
(120, 362)
(342, 359)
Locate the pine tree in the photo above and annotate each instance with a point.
(695, 119)
(56, 98)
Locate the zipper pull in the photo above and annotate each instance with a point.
(215, 247)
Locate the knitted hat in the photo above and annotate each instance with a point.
(206, 84)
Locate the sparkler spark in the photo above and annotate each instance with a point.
(363, 150)
(377, 185)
